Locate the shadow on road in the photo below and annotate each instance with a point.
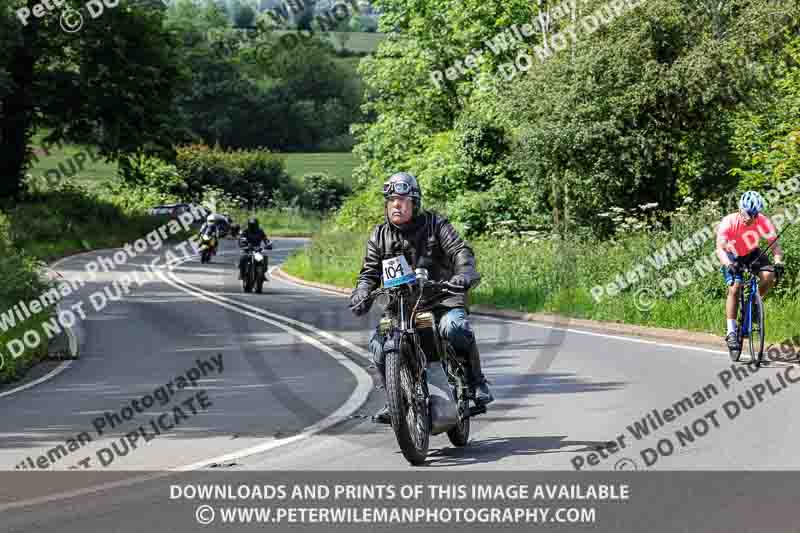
(498, 448)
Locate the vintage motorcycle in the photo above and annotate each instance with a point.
(255, 266)
(426, 382)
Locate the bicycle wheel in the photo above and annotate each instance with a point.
(756, 328)
(741, 330)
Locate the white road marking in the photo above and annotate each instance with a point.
(539, 325)
(353, 403)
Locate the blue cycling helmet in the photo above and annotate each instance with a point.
(752, 203)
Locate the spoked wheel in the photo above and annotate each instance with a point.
(459, 434)
(757, 329)
(205, 257)
(410, 414)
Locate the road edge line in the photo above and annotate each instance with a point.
(641, 334)
(354, 402)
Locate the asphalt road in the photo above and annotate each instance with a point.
(295, 390)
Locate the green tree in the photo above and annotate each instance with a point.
(85, 87)
(245, 17)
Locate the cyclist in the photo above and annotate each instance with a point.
(738, 237)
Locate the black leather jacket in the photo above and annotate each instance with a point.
(433, 234)
(254, 238)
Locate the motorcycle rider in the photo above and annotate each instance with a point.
(254, 236)
(421, 235)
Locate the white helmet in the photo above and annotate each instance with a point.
(211, 219)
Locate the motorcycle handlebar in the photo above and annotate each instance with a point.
(442, 286)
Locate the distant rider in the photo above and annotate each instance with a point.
(737, 246)
(211, 227)
(255, 237)
(418, 234)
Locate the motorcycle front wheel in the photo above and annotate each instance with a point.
(260, 283)
(247, 281)
(410, 416)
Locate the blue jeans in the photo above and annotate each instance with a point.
(452, 325)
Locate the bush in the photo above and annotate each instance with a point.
(361, 211)
(255, 175)
(504, 204)
(322, 192)
(152, 172)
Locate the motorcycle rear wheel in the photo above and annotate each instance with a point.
(400, 392)
(459, 434)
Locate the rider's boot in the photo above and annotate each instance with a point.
(382, 416)
(478, 381)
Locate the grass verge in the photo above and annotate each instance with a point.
(558, 278)
(14, 368)
(48, 225)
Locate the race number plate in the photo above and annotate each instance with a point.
(397, 272)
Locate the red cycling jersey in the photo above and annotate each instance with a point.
(744, 238)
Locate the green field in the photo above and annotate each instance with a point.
(339, 165)
(359, 42)
(72, 161)
(61, 161)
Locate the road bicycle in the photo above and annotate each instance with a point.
(751, 315)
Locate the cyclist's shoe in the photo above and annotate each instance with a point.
(733, 345)
(382, 416)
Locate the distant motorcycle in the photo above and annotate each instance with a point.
(256, 265)
(208, 247)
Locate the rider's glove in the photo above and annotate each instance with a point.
(464, 281)
(358, 301)
(734, 269)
